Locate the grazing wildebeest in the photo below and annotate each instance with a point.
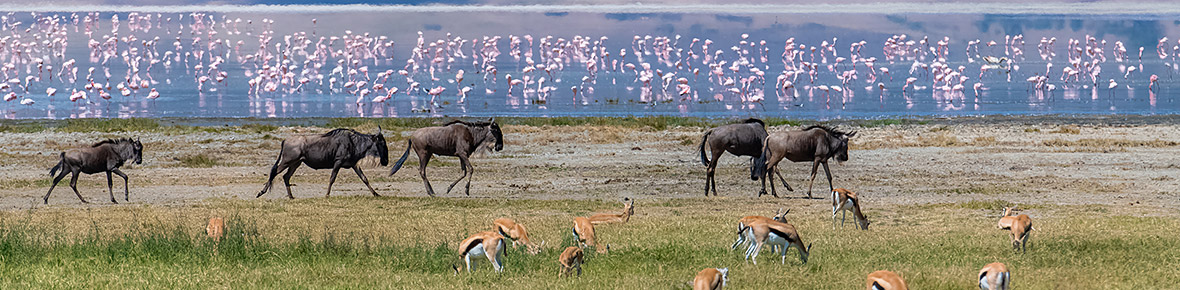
(816, 144)
(339, 148)
(457, 138)
(742, 139)
(106, 156)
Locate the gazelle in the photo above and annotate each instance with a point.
(489, 244)
(710, 279)
(885, 280)
(570, 259)
(605, 218)
(584, 233)
(215, 229)
(743, 226)
(994, 276)
(1020, 227)
(517, 233)
(844, 200)
(778, 234)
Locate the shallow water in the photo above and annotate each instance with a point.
(615, 89)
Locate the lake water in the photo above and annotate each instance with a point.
(295, 52)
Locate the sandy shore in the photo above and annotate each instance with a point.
(1128, 164)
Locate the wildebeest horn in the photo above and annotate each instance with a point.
(492, 120)
(852, 134)
(378, 130)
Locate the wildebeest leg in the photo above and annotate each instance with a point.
(710, 180)
(111, 187)
(74, 185)
(781, 179)
(331, 180)
(814, 170)
(470, 174)
(126, 190)
(463, 164)
(364, 179)
(287, 179)
(423, 158)
(772, 166)
(55, 181)
(829, 173)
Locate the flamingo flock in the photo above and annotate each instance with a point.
(211, 53)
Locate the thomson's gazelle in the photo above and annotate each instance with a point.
(845, 201)
(744, 222)
(775, 234)
(885, 280)
(512, 230)
(605, 218)
(489, 244)
(710, 279)
(584, 233)
(570, 259)
(994, 276)
(1019, 226)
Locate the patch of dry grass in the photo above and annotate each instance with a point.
(1110, 143)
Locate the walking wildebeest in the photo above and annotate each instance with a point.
(339, 148)
(816, 144)
(742, 139)
(106, 156)
(457, 138)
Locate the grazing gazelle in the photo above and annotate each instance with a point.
(710, 279)
(1019, 226)
(994, 276)
(570, 259)
(584, 233)
(885, 280)
(512, 230)
(606, 218)
(489, 244)
(778, 234)
(743, 225)
(844, 200)
(215, 229)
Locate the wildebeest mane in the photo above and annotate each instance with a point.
(826, 128)
(334, 132)
(112, 141)
(754, 120)
(468, 124)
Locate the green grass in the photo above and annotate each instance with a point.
(363, 242)
(198, 161)
(109, 125)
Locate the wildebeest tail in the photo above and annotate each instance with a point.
(60, 163)
(398, 165)
(704, 159)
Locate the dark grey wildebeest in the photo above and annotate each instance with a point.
(106, 156)
(816, 144)
(339, 148)
(742, 139)
(456, 138)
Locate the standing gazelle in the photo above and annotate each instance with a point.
(570, 259)
(743, 224)
(489, 244)
(1019, 226)
(606, 218)
(512, 230)
(844, 200)
(994, 276)
(885, 280)
(778, 234)
(584, 233)
(710, 279)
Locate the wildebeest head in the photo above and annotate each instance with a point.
(841, 144)
(138, 149)
(494, 129)
(378, 149)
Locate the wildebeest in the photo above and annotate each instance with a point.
(106, 156)
(457, 138)
(816, 144)
(339, 148)
(742, 139)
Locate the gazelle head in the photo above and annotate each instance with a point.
(1008, 211)
(805, 253)
(629, 207)
(533, 249)
(724, 275)
(780, 215)
(864, 223)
